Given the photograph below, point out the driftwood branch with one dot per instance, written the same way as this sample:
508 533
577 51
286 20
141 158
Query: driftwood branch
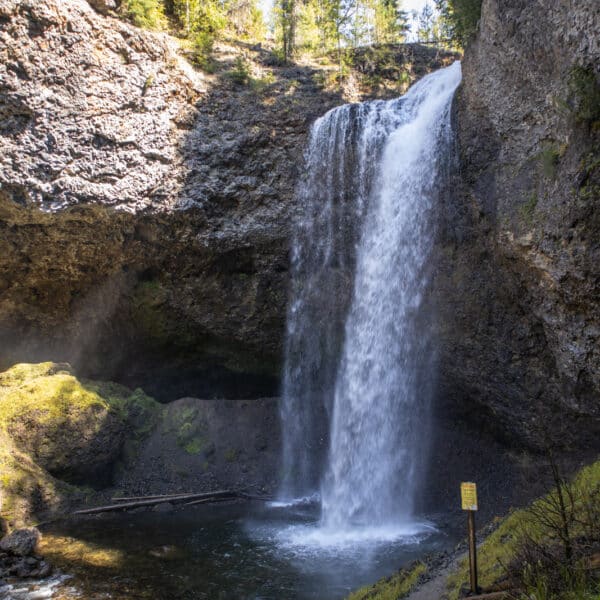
128 503
493 596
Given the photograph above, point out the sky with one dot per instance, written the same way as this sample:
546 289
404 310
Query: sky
407 5
410 5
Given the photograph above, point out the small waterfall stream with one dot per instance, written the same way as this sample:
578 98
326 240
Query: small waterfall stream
359 364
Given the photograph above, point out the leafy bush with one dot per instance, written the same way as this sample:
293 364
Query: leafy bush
240 73
145 13
203 42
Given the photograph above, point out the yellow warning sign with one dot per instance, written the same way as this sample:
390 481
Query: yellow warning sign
468 495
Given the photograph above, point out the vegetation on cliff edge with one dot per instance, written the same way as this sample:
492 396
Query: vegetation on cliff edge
529 550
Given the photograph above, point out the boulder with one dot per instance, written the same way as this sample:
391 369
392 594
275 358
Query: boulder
21 542
103 6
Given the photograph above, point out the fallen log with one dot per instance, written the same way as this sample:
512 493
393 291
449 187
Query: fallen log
158 497
217 496
205 501
506 595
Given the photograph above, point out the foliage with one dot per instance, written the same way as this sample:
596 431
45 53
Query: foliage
394 587
203 43
584 88
206 21
322 26
533 545
549 158
528 208
427 29
459 19
240 73
145 13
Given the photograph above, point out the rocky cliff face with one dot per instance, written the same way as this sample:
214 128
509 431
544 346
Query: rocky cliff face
145 212
145 206
519 277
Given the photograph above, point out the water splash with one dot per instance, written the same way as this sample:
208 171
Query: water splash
358 355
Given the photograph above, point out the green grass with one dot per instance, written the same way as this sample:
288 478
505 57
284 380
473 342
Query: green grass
500 548
392 588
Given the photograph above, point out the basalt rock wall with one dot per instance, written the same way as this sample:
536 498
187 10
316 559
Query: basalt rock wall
145 210
518 281
145 206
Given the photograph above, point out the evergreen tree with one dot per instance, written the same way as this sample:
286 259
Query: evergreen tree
459 19
426 24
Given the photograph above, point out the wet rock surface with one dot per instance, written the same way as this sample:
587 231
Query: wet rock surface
519 262
204 445
18 558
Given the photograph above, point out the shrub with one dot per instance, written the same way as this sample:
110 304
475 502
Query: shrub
145 13
203 42
240 73
459 19
543 549
584 91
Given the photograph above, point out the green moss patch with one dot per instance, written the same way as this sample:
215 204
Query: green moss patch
500 548
49 393
394 587
190 430
56 427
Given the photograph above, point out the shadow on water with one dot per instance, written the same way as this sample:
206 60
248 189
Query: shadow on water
228 551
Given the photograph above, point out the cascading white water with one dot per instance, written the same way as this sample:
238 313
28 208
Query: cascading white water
358 358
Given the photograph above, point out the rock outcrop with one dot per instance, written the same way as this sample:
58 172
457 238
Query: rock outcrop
145 207
206 445
57 431
519 278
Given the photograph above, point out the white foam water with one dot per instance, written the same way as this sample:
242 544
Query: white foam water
359 362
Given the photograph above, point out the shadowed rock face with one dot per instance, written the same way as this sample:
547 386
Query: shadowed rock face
145 207
207 445
518 286
145 212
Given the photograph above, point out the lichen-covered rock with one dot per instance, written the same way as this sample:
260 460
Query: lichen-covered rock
85 121
519 276
21 542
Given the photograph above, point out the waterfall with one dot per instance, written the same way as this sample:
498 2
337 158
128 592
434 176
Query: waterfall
359 362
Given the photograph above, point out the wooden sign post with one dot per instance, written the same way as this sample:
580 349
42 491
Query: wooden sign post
468 496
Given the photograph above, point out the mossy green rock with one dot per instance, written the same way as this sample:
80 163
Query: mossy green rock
71 428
